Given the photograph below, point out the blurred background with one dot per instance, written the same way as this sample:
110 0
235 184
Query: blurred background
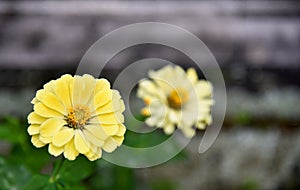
256 43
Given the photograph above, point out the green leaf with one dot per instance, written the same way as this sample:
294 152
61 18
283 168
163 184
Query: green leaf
73 186
22 151
10 130
50 186
12 176
37 182
124 178
109 176
33 158
78 187
144 140
77 170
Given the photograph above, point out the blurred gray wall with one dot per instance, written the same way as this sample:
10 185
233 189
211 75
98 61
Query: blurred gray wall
256 43
47 34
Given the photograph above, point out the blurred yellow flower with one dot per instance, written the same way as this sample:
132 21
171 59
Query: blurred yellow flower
175 98
75 115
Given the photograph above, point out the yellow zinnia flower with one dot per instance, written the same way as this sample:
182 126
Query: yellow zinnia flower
175 98
75 115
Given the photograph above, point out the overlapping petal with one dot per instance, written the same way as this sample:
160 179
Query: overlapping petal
176 99
77 115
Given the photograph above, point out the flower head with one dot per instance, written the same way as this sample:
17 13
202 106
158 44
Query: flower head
175 98
75 115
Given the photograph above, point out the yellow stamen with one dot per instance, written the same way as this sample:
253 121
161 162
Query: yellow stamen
177 98
147 101
78 116
145 112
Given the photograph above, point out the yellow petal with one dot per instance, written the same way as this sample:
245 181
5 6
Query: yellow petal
119 103
71 87
93 148
188 131
101 98
62 91
204 88
208 120
63 136
110 129
102 84
109 145
44 111
92 156
51 101
97 131
107 108
92 138
111 118
81 143
192 75
70 151
89 86
34 101
121 130
163 85
174 116
78 90
51 127
34 118
122 106
118 139
45 140
169 128
67 78
36 141
50 86
116 104
40 94
149 90
96 155
200 125
54 150
94 120
33 129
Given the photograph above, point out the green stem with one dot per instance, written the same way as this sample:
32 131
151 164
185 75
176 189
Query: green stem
55 173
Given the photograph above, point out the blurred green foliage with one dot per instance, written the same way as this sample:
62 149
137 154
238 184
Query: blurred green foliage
143 140
24 167
163 184
249 184
108 176
12 176
15 132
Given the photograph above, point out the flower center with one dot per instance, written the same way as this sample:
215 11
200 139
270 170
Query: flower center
78 116
177 98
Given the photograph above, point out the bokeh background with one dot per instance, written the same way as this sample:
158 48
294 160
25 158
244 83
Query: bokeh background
256 43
